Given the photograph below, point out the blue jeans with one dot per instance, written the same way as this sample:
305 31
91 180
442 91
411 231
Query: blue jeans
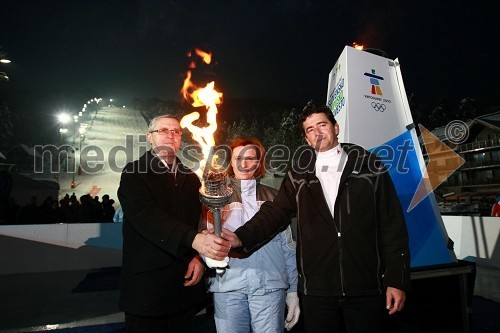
363 314
236 312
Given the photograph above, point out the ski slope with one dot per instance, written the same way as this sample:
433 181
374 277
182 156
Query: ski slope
114 137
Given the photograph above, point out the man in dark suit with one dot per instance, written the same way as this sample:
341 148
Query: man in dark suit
161 271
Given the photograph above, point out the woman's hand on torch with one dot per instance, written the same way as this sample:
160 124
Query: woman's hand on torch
211 246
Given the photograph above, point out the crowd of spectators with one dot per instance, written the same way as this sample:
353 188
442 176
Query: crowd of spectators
69 209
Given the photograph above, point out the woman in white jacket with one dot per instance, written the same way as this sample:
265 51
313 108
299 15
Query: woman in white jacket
252 293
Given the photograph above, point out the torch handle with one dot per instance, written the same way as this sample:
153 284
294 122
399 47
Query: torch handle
218 232
217 222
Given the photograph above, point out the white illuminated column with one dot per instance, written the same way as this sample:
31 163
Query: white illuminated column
368 98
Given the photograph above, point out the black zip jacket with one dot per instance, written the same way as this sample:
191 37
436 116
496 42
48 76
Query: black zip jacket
361 250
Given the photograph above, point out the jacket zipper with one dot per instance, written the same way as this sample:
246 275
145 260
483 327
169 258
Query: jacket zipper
403 270
341 271
348 199
339 237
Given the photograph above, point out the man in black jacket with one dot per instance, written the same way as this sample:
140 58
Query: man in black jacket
161 271
352 242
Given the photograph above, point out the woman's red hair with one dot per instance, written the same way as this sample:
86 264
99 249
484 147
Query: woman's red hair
259 149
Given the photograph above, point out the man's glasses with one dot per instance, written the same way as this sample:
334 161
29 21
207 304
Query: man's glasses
165 131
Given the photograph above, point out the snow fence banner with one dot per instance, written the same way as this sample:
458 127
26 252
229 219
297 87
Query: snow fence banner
367 96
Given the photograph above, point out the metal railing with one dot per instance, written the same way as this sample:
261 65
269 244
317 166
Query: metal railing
472 146
480 164
469 182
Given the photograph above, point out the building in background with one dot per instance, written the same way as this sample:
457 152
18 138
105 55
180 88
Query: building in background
472 189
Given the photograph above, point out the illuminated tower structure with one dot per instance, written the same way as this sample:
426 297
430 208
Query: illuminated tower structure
367 96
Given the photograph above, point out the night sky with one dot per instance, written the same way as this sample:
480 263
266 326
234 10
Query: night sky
281 50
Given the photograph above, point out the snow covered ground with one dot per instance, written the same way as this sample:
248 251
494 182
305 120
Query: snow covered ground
114 136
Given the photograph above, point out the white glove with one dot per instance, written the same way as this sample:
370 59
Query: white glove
292 316
211 263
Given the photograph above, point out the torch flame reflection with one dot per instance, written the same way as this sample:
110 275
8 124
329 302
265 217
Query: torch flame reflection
208 97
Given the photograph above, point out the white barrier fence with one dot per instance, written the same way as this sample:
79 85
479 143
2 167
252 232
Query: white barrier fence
59 247
476 238
65 247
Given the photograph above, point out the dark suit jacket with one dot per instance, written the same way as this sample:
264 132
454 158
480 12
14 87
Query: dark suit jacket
161 214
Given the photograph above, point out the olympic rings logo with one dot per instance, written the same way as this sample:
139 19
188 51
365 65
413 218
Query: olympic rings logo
380 107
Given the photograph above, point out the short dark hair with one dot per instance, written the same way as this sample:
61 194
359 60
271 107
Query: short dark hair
311 108
153 121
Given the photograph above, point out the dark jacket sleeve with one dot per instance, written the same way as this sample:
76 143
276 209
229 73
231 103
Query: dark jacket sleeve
394 235
272 218
144 213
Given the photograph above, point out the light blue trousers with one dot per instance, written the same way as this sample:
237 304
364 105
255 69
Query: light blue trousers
237 312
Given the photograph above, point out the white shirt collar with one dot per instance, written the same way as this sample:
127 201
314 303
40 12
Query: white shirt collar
171 168
331 153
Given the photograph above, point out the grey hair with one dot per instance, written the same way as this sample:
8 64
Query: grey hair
153 121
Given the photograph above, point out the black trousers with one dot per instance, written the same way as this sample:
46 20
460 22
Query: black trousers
182 322
328 314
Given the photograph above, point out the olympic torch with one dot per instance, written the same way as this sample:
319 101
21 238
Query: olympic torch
214 191
215 194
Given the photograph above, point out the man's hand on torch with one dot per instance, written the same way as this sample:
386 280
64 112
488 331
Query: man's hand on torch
211 246
228 235
231 237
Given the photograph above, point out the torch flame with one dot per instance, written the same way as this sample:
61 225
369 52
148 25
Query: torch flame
206 56
208 97
357 46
